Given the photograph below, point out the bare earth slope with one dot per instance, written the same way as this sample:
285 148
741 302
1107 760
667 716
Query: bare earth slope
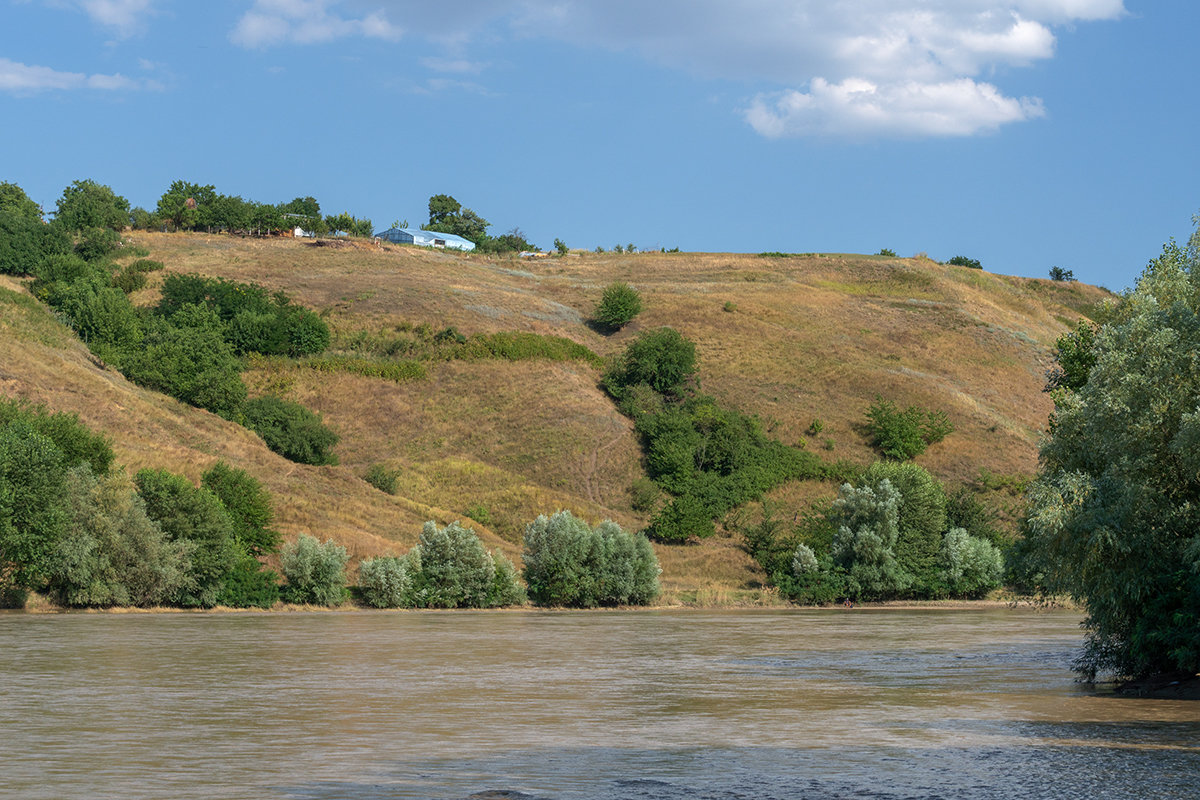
789 339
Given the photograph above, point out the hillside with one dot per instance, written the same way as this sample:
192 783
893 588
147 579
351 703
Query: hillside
790 339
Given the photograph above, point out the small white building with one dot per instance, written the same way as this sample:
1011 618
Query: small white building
425 238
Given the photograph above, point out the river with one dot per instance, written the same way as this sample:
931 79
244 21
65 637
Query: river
704 705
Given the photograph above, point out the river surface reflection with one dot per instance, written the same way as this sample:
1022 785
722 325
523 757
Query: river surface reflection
831 703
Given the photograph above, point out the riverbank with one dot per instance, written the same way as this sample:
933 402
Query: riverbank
764 600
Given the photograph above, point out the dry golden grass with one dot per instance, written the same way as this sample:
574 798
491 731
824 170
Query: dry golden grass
812 337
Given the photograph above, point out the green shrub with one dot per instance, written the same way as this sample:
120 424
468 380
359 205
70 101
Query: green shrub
315 573
887 252
480 514
32 512
87 204
521 346
65 268
455 571
382 478
145 265
77 443
644 495
662 359
112 553
906 434
94 244
129 280
248 585
1060 274
397 371
568 563
196 516
25 243
867 520
965 510
963 261
506 589
921 518
291 430
729 307
385 582
618 305
249 507
685 517
815 427
971 567
189 360
252 319
101 315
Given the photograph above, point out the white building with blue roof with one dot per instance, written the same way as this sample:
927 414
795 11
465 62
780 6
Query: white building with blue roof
425 238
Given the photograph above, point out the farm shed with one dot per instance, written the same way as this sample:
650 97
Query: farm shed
425 238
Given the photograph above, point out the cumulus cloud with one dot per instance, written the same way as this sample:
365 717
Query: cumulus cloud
858 107
274 22
17 78
879 67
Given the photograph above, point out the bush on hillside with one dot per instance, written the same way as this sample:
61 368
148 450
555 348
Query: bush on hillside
662 359
75 441
906 434
94 244
963 261
291 430
568 563
86 204
189 360
249 507
254 320
25 243
382 478
101 315
618 305
315 572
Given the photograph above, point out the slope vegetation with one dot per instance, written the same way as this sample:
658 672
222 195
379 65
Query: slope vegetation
790 339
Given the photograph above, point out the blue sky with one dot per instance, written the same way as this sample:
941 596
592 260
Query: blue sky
1026 133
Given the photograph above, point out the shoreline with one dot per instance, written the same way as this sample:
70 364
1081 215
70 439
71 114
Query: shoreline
39 605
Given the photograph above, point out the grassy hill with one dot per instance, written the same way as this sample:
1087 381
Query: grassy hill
790 339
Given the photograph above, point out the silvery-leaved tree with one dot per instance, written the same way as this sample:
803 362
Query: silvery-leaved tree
1114 515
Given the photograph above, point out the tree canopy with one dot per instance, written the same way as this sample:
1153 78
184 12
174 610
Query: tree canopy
13 200
87 204
1114 514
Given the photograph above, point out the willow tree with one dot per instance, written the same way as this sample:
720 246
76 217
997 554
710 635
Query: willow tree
1114 515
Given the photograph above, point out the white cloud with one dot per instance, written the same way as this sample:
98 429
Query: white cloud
859 108
274 22
126 16
18 78
925 61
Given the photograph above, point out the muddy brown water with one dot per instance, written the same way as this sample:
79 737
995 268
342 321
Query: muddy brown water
834 703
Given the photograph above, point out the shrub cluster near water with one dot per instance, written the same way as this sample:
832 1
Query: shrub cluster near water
86 534
891 534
